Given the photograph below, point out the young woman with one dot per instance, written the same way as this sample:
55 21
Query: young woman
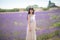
31 28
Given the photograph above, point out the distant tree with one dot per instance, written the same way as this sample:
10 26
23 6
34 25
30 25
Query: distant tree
9 10
28 7
15 9
2 10
51 4
33 6
45 9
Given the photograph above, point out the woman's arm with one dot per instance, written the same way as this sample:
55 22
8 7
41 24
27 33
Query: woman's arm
28 20
29 23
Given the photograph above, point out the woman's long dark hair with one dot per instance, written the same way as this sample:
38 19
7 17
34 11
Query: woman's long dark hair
29 12
30 9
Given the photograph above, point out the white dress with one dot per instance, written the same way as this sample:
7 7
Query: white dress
31 35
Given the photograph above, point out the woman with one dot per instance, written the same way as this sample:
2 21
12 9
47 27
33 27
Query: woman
31 29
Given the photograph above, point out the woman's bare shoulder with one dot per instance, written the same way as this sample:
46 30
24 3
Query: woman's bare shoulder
29 16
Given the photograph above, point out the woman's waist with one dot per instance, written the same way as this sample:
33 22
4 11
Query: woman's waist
31 21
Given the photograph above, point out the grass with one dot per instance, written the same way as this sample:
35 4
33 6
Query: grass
49 36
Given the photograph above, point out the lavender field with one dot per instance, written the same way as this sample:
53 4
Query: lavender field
13 25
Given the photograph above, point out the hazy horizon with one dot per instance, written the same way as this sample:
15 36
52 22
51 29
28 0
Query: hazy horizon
9 4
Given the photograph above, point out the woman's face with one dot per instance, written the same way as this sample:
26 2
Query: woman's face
31 11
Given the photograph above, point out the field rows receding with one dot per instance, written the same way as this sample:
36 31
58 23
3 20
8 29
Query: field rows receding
13 26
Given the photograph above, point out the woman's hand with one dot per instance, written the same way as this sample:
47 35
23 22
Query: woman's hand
35 29
30 30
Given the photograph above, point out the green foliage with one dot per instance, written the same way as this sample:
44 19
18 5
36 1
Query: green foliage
9 10
33 6
54 17
57 24
2 10
27 7
45 9
48 36
57 32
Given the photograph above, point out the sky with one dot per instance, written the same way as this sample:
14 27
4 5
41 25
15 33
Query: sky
9 4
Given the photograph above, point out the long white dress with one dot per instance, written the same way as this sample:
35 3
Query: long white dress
31 35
